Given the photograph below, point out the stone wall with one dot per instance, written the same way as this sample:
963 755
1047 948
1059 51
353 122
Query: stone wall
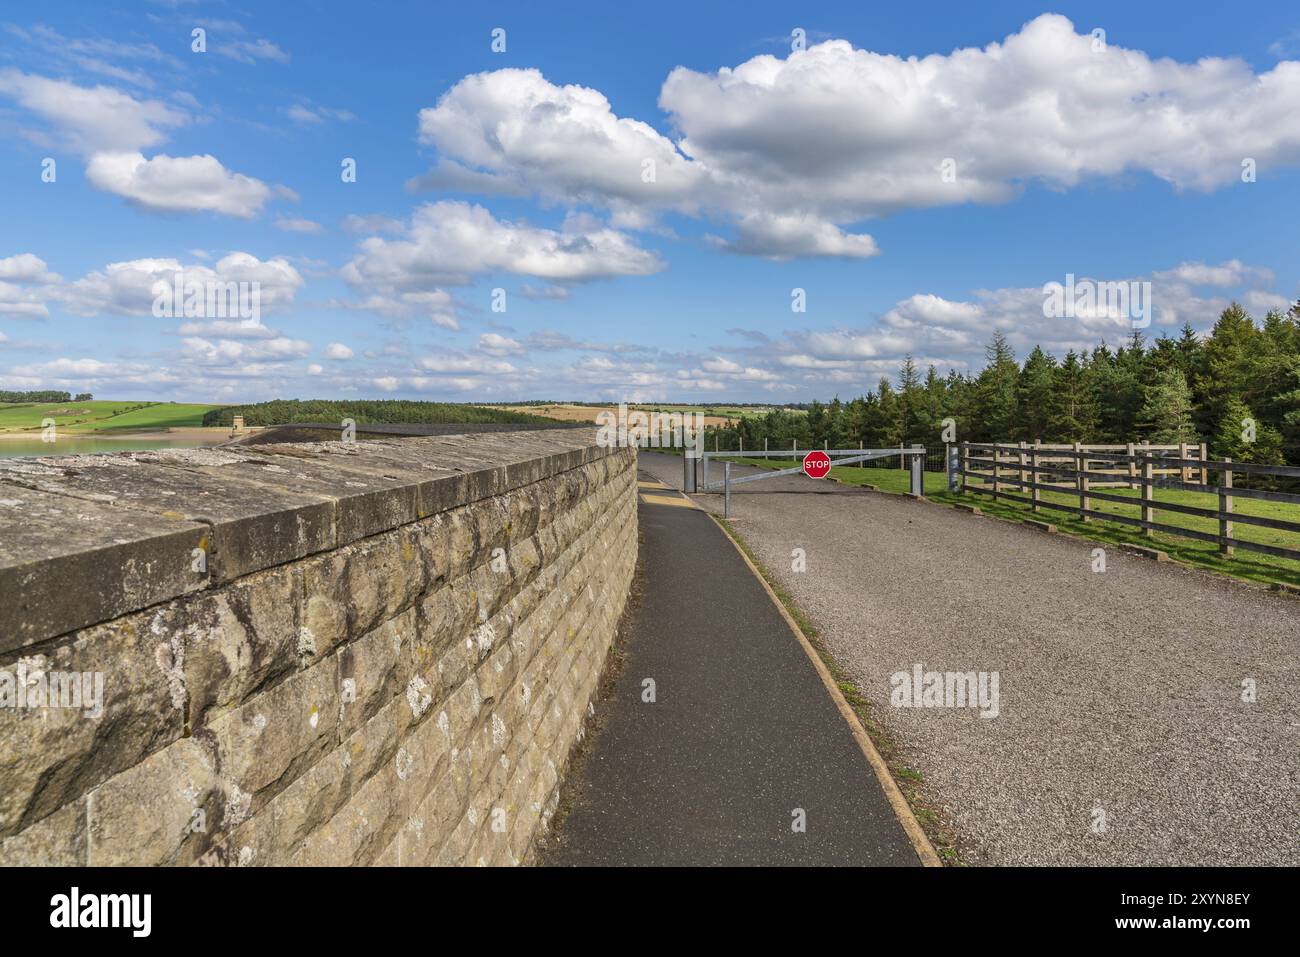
367 653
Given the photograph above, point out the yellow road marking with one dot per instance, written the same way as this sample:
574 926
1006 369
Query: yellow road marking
682 502
642 483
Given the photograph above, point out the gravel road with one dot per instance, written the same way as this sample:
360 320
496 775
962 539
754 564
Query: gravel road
1121 737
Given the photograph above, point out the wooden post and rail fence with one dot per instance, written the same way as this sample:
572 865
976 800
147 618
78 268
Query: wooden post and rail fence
1085 471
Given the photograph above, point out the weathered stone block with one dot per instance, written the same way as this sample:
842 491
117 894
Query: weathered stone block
58 840
236 641
68 563
162 811
275 833
50 756
376 669
355 589
266 743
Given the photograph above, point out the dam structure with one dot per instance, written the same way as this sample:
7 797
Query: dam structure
339 653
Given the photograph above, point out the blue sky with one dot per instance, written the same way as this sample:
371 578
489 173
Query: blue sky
774 169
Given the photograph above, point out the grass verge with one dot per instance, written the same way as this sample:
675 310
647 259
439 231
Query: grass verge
1251 566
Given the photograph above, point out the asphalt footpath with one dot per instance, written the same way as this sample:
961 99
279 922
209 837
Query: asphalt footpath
742 757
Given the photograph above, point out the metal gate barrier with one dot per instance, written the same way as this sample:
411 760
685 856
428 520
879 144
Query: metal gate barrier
693 482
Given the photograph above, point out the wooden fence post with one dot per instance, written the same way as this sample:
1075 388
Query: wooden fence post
1022 468
1132 467
1205 475
1080 464
1225 505
995 473
1033 477
1187 470
1148 495
861 465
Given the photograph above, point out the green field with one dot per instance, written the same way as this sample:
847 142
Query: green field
730 411
100 416
1249 565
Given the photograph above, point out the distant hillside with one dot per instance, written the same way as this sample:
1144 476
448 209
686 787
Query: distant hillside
363 411
101 415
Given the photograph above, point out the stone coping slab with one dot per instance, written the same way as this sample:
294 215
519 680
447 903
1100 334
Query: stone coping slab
86 538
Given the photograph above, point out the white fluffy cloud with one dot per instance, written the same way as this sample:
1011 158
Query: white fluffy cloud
184 184
93 118
796 235
23 282
231 351
17 302
437 305
498 345
451 242
462 364
790 150
953 333
227 329
26 268
564 142
127 288
76 374
861 133
110 128
218 346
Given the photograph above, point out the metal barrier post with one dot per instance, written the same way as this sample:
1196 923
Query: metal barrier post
954 465
726 485
918 474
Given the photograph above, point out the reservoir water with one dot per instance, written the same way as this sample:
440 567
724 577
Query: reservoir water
80 445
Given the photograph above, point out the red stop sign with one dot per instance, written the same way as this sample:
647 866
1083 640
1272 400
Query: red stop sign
817 464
